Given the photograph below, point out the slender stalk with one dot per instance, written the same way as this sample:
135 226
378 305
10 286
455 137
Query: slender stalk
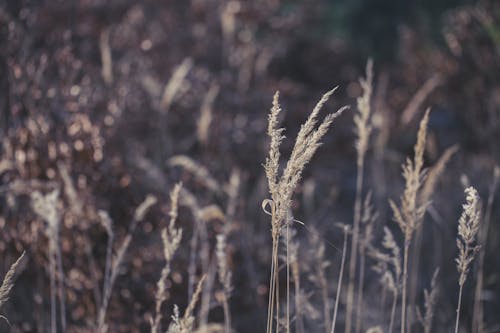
359 300
192 261
107 267
206 293
270 308
277 285
414 265
273 289
354 245
52 264
458 308
62 298
405 278
363 129
287 279
393 311
227 315
299 324
339 285
326 307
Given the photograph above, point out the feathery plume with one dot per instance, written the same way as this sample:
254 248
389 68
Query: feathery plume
8 280
411 212
468 227
171 237
281 188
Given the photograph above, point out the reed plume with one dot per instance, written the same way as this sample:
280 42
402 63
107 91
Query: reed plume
468 227
8 280
281 187
171 238
411 211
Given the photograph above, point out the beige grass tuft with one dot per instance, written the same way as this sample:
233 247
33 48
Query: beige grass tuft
8 280
411 211
281 188
171 238
468 227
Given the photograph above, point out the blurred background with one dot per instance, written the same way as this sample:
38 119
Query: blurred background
108 98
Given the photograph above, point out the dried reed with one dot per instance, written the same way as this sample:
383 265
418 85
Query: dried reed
363 129
411 212
139 214
468 227
282 187
46 206
8 280
171 238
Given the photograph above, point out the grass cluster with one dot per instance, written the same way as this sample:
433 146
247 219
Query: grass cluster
143 189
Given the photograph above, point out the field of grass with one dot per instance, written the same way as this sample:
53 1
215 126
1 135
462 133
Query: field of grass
249 166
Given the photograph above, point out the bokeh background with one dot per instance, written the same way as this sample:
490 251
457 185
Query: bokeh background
111 91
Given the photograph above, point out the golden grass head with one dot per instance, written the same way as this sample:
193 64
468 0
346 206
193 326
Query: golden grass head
307 142
8 280
468 227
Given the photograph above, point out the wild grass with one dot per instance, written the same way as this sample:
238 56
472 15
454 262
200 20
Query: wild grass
46 207
409 215
113 265
171 238
363 129
468 227
306 292
281 188
8 280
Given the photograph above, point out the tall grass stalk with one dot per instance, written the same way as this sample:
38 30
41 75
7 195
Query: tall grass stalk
8 280
224 278
425 197
468 227
46 206
171 238
140 213
339 285
368 219
282 185
411 211
363 129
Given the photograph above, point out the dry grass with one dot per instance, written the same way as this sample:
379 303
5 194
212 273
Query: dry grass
468 227
363 128
409 215
131 98
8 280
83 151
171 237
282 187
